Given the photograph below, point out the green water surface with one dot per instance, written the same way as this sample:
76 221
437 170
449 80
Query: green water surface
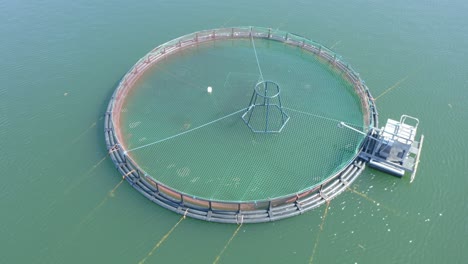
60 196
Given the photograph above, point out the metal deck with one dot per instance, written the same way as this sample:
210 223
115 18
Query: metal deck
393 149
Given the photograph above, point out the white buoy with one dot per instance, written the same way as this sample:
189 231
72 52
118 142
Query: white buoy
209 89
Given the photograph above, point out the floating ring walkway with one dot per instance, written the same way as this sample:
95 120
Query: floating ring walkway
222 211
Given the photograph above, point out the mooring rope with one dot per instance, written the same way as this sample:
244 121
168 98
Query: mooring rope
97 164
325 213
392 87
372 200
163 239
94 210
227 21
334 45
83 133
256 57
319 116
112 192
226 116
85 175
103 201
229 242
187 131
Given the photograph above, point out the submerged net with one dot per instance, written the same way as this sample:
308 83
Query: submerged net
182 124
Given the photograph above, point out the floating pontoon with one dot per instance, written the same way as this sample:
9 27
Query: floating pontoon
393 148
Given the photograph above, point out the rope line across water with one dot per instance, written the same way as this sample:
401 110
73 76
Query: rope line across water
256 57
188 131
319 116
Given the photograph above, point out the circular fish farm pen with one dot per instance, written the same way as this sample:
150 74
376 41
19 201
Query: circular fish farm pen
239 125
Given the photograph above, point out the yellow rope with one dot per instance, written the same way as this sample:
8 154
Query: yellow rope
162 239
334 45
84 132
227 244
85 175
96 165
112 192
227 21
372 200
325 213
392 87
94 210
363 196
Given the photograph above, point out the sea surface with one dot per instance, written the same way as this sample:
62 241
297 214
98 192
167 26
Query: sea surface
63 201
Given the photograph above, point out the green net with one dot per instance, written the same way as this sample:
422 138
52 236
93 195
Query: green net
182 123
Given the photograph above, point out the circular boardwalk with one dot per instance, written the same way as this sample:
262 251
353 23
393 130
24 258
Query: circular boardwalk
214 167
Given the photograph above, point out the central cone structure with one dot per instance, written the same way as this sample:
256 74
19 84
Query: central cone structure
265 113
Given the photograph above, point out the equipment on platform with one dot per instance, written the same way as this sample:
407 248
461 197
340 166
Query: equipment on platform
393 148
